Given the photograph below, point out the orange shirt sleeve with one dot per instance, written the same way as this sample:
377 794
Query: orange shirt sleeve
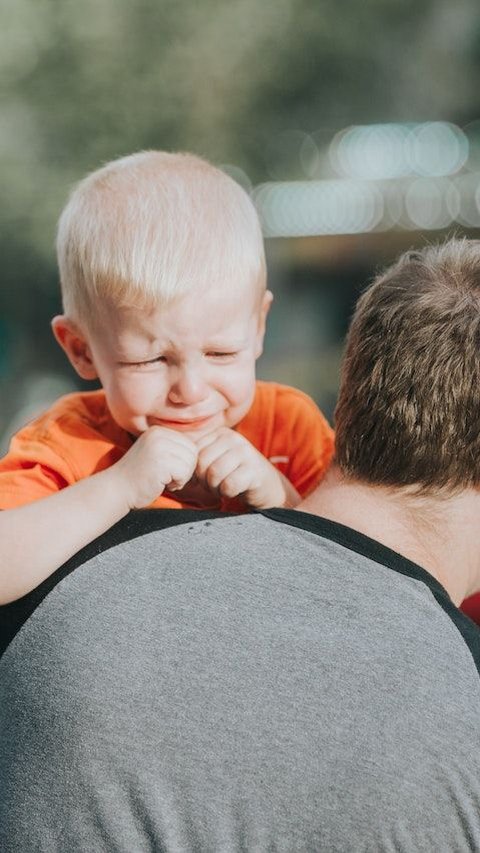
31 469
72 440
289 429
308 438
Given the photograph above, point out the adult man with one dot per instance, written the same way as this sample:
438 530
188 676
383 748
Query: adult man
287 680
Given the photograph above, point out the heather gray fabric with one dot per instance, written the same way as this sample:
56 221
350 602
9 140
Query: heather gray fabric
238 685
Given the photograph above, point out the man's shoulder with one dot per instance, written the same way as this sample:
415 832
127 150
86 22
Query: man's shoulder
196 646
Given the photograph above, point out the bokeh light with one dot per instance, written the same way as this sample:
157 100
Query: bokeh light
431 203
370 152
468 187
383 151
412 176
436 148
301 208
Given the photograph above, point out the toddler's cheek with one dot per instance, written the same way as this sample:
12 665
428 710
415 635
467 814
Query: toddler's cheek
241 390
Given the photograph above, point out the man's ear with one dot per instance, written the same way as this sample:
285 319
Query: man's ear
262 318
75 345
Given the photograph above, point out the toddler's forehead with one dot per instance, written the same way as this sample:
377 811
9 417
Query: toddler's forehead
191 310
244 291
243 288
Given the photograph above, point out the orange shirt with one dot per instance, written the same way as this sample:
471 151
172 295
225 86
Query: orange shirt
78 437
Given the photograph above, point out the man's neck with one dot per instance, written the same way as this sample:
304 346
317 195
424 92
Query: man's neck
440 534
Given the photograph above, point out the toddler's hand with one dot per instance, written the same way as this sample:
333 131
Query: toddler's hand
229 464
160 457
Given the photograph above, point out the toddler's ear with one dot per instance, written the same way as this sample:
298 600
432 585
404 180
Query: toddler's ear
262 318
75 345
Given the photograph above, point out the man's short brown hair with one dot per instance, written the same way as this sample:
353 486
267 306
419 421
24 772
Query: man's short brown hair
408 412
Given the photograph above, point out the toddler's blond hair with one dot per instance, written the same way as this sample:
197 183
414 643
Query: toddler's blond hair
153 226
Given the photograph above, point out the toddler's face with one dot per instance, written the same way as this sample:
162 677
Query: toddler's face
189 366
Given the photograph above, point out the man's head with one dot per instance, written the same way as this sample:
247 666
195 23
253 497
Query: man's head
164 288
408 412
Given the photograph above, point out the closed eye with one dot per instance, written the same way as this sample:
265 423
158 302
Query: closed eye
159 359
221 355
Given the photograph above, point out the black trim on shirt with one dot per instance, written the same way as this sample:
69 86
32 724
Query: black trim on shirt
373 550
140 522
136 523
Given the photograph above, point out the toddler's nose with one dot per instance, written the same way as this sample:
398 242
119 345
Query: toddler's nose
188 387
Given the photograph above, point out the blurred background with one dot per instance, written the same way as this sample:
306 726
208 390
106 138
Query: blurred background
356 126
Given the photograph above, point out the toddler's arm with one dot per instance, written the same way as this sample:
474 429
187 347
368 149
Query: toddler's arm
38 538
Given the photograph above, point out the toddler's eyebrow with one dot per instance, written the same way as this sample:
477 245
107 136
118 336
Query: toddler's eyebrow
145 348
